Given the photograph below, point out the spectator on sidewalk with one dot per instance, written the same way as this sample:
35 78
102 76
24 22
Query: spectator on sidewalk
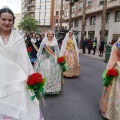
33 44
101 48
94 45
89 45
60 40
84 43
38 40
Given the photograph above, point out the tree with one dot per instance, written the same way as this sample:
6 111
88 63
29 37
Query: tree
28 24
61 13
102 35
83 20
71 3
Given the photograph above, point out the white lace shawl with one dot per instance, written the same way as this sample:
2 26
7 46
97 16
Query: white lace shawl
63 47
15 68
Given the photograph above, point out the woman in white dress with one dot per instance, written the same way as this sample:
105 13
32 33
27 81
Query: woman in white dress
47 64
15 102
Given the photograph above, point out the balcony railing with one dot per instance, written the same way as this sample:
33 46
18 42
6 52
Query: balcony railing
31 3
112 4
30 10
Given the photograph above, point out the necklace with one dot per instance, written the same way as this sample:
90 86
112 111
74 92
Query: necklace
5 38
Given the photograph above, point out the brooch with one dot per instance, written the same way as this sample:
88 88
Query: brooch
118 45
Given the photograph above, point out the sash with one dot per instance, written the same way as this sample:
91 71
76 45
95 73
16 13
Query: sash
49 50
35 46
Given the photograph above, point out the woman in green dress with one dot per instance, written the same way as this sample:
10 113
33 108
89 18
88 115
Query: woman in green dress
47 64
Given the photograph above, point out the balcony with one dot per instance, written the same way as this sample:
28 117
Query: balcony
94 9
31 10
32 3
112 4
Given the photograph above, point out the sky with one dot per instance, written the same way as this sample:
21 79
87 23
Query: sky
14 5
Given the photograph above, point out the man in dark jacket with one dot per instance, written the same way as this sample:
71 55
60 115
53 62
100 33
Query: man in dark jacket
60 41
89 45
84 43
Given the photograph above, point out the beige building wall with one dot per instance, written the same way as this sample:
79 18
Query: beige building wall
17 20
95 9
57 9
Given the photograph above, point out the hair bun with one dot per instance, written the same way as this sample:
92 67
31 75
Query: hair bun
5 7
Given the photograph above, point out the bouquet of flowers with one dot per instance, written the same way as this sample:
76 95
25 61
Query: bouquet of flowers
108 76
29 49
62 61
35 83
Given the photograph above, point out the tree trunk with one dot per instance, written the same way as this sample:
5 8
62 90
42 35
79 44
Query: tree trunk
61 13
102 35
70 14
83 20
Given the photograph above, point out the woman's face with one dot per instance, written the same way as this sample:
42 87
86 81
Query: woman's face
70 34
50 36
6 22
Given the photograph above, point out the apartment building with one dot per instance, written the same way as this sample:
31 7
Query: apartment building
41 10
17 20
94 18
57 10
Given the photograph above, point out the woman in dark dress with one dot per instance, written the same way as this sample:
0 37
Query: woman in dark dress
101 48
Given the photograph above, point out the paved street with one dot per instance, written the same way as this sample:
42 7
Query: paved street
79 99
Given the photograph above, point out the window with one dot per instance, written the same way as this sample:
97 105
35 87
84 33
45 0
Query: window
107 17
71 24
92 20
80 5
66 12
89 2
111 0
117 17
73 8
57 12
56 20
100 2
76 23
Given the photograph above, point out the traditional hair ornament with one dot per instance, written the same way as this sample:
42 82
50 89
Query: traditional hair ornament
5 7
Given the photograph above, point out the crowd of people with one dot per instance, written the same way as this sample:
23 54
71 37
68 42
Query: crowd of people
92 45
15 102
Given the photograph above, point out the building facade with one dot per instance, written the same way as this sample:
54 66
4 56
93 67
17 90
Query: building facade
94 19
17 20
41 10
57 15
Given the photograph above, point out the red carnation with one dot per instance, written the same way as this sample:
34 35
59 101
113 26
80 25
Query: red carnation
34 79
61 59
112 72
29 49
